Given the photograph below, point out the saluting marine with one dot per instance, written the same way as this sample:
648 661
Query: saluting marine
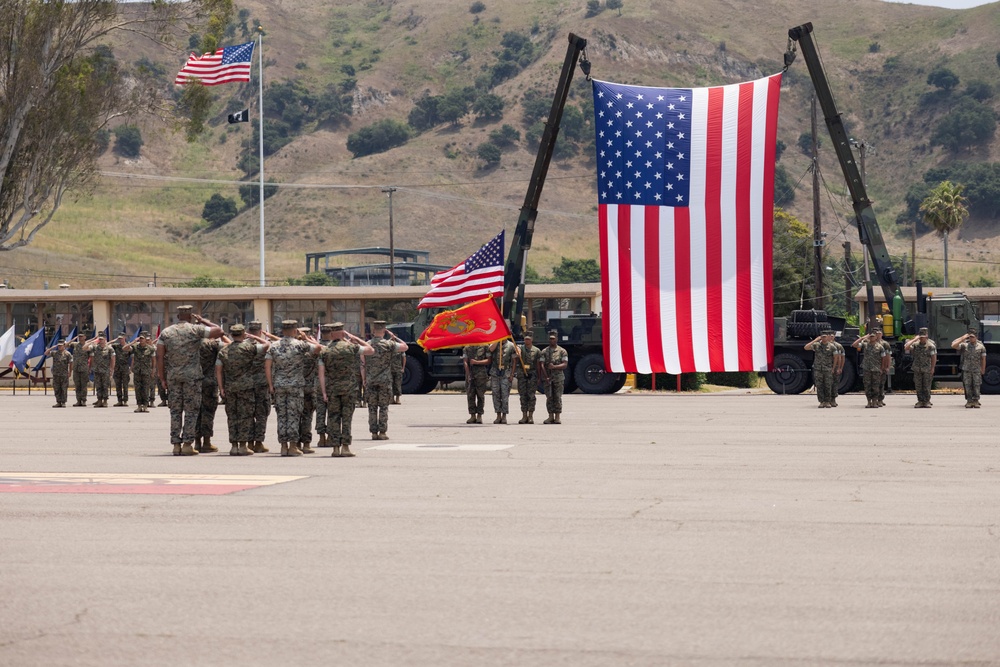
924 353
337 367
378 378
873 361
62 362
973 366
284 367
824 361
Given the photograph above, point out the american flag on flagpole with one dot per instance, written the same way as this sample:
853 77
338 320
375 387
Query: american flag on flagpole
685 213
478 276
230 63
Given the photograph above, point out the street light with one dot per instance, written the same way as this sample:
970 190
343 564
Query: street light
392 246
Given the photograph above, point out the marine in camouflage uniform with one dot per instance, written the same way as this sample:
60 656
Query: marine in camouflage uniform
378 378
143 357
204 430
123 364
398 365
233 374
924 353
325 340
261 397
178 366
872 362
309 394
102 364
501 373
973 366
887 364
62 362
476 359
839 359
81 368
284 366
553 362
338 366
527 379
824 360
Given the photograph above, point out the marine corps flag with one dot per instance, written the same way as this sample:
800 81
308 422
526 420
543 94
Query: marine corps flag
479 323
240 117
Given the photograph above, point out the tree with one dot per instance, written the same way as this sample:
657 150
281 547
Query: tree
593 8
784 189
477 7
615 4
945 211
792 262
314 279
219 210
128 141
378 137
489 153
968 125
943 78
576 271
453 106
506 136
60 86
424 114
979 90
488 107
250 193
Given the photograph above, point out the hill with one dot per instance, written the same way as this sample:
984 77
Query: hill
144 216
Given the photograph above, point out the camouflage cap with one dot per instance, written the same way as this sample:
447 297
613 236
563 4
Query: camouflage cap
143 336
826 332
288 324
304 330
185 309
922 331
254 326
62 342
237 329
553 334
973 331
334 326
379 324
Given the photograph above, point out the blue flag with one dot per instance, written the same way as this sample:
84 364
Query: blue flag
29 349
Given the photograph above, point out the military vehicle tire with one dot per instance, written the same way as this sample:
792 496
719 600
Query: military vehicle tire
991 378
415 377
788 375
805 330
848 378
591 377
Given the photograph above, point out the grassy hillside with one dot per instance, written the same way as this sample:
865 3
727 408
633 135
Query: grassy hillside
877 56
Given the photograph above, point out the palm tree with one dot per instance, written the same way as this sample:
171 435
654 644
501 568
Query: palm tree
945 210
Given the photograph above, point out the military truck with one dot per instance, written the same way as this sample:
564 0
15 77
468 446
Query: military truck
580 335
946 315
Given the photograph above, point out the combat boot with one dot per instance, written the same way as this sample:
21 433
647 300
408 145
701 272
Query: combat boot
374 436
881 403
977 404
188 450
550 420
235 449
531 417
834 404
919 404
497 420
293 449
306 449
503 418
471 419
118 404
968 404
322 441
247 448
479 417
870 404
138 409
382 436
336 451
258 447
555 418
284 449
207 446
524 417
822 405
345 452
197 443
177 450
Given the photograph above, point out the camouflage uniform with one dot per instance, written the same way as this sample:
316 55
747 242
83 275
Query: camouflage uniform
378 384
500 371
81 370
972 375
554 387
321 406
479 377
309 394
62 361
885 373
871 369
207 355
398 359
180 345
837 378
261 396
287 376
123 358
823 360
143 373
923 352
527 381
341 362
101 367
237 361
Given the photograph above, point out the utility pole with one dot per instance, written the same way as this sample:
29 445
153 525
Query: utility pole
848 283
392 246
818 241
913 253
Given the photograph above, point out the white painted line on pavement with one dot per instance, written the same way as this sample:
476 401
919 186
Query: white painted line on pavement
415 447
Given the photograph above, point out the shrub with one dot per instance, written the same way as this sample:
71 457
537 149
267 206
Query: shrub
219 210
506 136
489 153
378 137
128 140
477 7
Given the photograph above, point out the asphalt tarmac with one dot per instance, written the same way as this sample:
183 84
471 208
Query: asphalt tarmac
718 529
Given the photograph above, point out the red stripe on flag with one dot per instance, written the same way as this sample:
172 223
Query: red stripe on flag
770 143
654 332
713 228
744 156
625 285
682 286
602 230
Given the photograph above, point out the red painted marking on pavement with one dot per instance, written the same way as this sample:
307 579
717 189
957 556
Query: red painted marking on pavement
149 489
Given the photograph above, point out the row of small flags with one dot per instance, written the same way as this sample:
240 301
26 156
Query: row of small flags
34 346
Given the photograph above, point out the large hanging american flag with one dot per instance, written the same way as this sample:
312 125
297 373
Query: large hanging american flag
230 63
478 276
685 208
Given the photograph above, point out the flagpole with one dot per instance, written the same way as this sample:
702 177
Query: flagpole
260 132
